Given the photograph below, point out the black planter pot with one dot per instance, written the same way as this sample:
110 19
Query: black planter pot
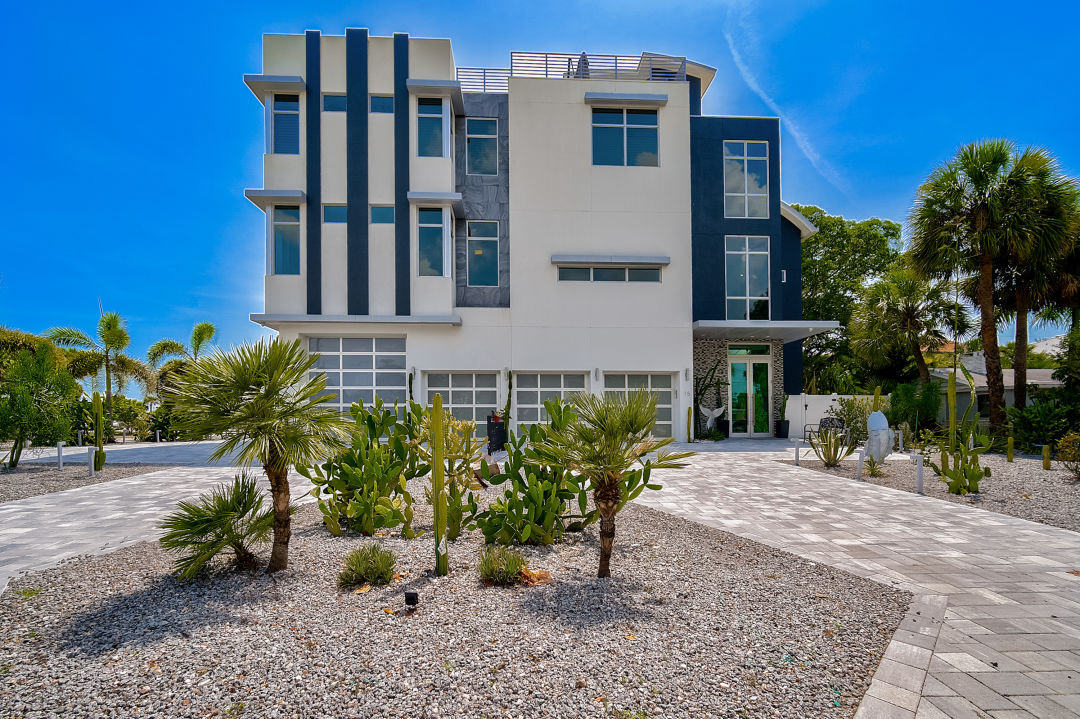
783 426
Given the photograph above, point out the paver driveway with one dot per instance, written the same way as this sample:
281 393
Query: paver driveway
997 633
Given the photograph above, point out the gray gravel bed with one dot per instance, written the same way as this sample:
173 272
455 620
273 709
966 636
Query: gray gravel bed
694 622
1021 488
31 479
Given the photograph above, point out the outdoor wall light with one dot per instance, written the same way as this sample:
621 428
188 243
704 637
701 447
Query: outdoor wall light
596 374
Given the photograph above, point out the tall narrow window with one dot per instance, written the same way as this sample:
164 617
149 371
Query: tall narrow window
483 253
286 125
747 277
482 146
429 127
625 137
430 236
286 233
746 179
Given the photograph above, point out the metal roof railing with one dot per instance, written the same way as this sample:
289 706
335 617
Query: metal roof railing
484 79
582 66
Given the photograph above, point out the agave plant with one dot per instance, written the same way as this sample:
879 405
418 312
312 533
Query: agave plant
831 446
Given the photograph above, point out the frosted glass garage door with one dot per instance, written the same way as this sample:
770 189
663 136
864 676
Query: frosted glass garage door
532 389
358 368
471 396
658 384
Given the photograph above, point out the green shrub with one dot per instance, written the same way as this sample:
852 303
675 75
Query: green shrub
229 517
1044 422
916 404
500 565
831 446
370 564
874 468
855 411
1068 453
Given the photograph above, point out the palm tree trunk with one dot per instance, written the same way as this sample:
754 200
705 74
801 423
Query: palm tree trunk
920 362
607 499
279 492
988 331
1023 304
108 382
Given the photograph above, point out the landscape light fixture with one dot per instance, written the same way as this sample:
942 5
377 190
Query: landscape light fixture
411 600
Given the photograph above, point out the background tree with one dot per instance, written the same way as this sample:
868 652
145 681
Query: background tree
202 334
261 401
105 353
37 396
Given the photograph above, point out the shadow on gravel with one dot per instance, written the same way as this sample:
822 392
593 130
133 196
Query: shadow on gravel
164 609
586 602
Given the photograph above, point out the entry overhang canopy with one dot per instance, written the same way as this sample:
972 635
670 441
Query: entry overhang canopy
746 330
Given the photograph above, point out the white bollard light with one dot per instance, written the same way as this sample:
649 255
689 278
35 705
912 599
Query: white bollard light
859 474
60 455
157 435
90 460
79 435
918 460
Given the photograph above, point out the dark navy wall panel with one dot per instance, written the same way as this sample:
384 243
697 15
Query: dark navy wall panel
403 219
695 94
793 367
790 300
313 149
356 159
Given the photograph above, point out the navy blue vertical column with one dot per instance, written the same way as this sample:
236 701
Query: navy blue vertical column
695 95
402 220
313 150
793 367
356 161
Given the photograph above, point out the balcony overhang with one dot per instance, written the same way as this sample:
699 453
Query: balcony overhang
747 330
439 88
805 226
439 199
263 85
610 260
265 199
626 99
275 321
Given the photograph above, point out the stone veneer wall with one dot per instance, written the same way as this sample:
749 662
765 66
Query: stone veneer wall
709 351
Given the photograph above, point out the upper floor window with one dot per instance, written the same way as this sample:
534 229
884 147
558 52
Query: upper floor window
481 146
382 214
747 277
285 127
431 241
483 253
334 103
382 103
335 213
431 137
286 233
746 179
625 137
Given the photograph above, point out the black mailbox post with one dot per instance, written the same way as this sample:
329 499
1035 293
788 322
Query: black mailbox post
496 433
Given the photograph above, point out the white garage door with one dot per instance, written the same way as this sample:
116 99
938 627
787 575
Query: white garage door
471 396
658 384
358 368
532 389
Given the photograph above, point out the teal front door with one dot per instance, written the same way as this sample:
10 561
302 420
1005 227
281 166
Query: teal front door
750 388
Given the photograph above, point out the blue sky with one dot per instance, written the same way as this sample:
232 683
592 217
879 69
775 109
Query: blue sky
131 137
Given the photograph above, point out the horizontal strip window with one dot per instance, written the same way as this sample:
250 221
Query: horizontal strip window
609 274
334 103
335 213
382 214
383 104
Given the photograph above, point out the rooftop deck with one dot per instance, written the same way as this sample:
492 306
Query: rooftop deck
583 66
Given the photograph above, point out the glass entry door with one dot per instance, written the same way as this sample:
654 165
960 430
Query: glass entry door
749 392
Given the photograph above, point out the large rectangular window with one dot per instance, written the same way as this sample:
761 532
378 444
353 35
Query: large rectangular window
625 137
481 146
358 368
746 178
747 277
482 253
430 129
286 233
431 227
285 126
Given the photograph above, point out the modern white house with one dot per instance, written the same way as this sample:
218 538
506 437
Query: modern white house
572 219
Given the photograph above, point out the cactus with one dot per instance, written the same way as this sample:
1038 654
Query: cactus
689 424
99 433
509 394
1046 456
877 399
1009 450
438 488
960 466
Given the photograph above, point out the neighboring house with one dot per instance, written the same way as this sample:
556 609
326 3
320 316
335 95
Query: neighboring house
1036 379
573 219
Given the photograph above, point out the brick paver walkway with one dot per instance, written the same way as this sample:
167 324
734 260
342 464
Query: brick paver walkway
995 630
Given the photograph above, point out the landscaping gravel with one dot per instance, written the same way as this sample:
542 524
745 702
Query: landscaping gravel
694 622
1021 488
33 479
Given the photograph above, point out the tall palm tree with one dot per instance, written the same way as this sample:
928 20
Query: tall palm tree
202 334
965 216
261 401
103 353
906 312
610 435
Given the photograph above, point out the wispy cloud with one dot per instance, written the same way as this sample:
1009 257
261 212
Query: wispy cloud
749 38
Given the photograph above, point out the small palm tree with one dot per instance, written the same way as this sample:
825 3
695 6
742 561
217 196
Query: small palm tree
261 401
106 352
202 334
611 434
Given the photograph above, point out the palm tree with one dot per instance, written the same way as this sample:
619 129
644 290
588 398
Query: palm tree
905 312
966 214
610 435
261 401
106 352
201 336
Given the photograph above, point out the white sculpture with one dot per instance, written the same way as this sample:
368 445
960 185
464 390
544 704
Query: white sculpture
711 415
879 441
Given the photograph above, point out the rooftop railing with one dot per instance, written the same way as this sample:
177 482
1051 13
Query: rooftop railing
582 66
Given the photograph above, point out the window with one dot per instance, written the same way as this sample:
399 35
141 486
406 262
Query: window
481 147
382 104
286 125
746 179
335 213
286 233
748 349
382 214
483 253
532 390
658 384
333 103
625 137
358 368
609 274
747 277
467 395
429 127
431 241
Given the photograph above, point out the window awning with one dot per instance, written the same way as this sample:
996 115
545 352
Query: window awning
610 260
747 330
262 85
439 88
265 199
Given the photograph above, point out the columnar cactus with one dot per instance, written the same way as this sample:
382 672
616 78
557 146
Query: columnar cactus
438 488
99 433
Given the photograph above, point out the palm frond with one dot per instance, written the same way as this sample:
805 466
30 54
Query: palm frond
164 348
201 336
69 337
